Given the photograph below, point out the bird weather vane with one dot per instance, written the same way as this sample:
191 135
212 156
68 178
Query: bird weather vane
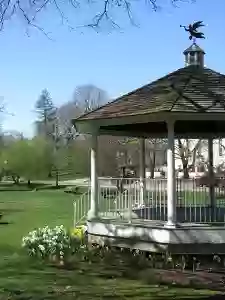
193 30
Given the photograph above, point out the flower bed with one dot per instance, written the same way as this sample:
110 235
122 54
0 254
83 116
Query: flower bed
69 248
53 243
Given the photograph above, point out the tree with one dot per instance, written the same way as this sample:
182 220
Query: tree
57 140
155 151
89 97
25 158
45 125
46 113
2 111
85 98
74 160
187 150
29 10
66 113
109 158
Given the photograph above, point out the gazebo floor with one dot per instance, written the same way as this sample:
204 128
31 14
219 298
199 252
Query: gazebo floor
156 236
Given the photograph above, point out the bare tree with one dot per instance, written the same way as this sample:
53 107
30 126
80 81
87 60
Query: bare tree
89 97
154 154
155 151
85 98
109 150
29 10
220 147
66 113
187 151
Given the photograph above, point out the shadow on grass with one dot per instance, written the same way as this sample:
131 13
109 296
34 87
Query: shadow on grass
23 186
10 210
24 278
4 213
4 223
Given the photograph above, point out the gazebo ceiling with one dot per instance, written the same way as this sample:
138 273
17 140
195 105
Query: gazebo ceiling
193 95
183 129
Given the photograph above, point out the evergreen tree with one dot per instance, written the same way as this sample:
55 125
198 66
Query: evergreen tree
46 112
45 125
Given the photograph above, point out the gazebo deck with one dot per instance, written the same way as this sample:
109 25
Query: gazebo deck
144 227
155 236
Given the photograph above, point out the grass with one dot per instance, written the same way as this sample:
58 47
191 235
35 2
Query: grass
23 278
18 281
198 198
26 210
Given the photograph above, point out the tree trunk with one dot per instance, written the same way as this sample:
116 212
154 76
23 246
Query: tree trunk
185 170
184 158
195 150
125 157
56 178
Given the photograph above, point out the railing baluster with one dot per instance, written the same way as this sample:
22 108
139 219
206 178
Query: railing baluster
192 201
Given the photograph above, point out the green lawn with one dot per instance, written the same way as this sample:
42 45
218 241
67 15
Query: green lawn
22 278
26 210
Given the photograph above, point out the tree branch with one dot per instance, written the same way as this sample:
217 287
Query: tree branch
29 9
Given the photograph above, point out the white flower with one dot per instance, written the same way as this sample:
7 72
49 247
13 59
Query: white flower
41 247
45 241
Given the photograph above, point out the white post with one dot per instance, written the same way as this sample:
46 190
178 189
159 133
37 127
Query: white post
142 172
93 212
171 178
211 179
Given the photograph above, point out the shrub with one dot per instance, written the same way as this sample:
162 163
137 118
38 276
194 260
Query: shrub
49 242
57 242
79 233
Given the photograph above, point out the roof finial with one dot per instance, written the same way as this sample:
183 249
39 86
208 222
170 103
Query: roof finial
193 30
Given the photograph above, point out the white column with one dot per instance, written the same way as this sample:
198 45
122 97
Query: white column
93 212
142 172
171 178
211 176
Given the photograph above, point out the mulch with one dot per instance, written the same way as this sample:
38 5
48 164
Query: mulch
200 279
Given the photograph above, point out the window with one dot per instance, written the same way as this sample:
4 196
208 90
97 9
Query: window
192 58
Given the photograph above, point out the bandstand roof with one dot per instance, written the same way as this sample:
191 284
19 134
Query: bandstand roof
193 96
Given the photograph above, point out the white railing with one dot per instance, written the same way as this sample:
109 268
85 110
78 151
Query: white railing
123 200
81 207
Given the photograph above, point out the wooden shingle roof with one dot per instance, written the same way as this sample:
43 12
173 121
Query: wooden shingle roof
190 89
194 48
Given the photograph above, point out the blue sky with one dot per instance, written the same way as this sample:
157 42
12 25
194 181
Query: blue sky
117 61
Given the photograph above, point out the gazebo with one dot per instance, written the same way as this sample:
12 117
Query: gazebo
187 103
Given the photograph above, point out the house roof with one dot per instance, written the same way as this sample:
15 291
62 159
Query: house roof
191 89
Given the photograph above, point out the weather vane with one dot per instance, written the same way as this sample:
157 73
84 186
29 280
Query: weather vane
193 30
